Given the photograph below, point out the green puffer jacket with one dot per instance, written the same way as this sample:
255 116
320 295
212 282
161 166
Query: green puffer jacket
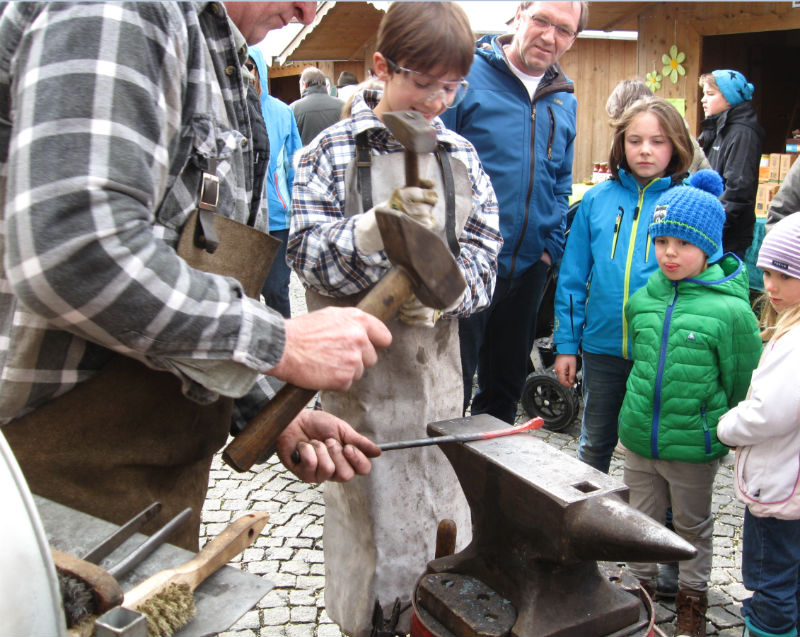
695 346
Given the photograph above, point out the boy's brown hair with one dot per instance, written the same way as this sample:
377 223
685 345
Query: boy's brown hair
427 36
671 123
708 78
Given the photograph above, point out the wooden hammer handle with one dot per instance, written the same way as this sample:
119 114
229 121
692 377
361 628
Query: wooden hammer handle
258 438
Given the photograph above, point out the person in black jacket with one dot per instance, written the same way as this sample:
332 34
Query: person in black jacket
732 138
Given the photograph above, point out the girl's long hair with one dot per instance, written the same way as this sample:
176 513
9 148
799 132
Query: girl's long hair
773 324
671 123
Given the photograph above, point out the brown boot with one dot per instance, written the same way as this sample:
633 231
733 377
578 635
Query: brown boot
690 606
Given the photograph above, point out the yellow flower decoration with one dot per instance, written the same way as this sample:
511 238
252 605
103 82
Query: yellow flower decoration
653 81
672 64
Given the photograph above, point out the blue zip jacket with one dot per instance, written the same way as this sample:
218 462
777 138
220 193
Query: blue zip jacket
695 346
526 147
609 256
284 142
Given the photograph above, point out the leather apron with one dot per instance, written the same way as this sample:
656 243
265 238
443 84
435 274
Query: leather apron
380 529
128 437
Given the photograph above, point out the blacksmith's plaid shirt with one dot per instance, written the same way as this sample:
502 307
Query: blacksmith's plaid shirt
108 112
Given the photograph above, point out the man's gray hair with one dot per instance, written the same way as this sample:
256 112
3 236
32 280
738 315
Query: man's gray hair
312 76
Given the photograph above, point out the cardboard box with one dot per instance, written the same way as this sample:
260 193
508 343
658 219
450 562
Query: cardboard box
764 196
763 169
787 159
774 166
762 200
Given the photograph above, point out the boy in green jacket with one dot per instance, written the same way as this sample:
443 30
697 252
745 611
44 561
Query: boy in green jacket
695 345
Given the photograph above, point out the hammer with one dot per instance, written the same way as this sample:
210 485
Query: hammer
421 264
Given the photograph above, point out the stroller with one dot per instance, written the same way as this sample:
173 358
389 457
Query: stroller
543 395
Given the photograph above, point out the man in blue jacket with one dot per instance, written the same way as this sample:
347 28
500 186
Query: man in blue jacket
520 113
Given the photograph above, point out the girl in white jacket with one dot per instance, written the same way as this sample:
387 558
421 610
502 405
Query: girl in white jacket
765 429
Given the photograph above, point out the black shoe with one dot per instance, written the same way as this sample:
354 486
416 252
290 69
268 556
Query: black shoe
667 580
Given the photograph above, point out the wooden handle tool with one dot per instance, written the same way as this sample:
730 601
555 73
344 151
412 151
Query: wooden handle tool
167 599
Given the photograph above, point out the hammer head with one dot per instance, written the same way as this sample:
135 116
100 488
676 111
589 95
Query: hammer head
412 130
437 279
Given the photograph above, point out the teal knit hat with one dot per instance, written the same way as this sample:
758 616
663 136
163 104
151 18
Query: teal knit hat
734 86
692 212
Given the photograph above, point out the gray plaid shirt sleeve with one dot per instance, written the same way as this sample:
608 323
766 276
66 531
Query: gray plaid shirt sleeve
108 103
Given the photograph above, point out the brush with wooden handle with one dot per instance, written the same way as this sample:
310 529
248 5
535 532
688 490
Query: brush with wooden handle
167 598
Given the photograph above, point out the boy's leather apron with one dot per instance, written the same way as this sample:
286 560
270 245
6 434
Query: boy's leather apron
128 436
380 529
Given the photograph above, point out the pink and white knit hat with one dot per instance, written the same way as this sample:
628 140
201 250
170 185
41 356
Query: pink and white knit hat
780 250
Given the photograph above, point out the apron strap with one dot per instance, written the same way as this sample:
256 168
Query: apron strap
450 199
364 166
205 237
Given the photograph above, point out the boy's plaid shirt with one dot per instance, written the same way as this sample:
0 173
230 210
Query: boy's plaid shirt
320 246
108 112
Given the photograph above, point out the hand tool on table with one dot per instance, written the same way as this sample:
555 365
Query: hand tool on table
541 520
533 423
167 598
422 264
95 590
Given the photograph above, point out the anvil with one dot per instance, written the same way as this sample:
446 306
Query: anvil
540 521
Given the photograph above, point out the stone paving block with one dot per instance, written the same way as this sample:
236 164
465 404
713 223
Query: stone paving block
296 567
737 591
303 614
328 630
234 505
216 516
302 598
309 555
277 597
280 553
300 630
721 618
284 580
300 542
275 616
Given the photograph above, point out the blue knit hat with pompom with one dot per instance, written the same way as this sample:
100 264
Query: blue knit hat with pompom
692 212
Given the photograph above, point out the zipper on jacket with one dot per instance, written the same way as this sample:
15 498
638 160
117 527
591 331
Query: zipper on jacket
528 195
662 360
706 431
647 250
617 224
626 290
552 133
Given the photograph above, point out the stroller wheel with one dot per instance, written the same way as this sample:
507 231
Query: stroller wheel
545 397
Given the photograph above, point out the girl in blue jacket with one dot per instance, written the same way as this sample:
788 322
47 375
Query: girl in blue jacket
608 257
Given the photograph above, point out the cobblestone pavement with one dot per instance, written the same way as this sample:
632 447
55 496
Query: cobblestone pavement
289 551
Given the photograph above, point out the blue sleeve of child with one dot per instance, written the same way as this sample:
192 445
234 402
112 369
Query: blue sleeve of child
571 290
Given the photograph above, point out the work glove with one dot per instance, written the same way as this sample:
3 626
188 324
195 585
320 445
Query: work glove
416 202
414 313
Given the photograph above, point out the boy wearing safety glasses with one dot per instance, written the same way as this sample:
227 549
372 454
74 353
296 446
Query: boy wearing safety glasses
380 532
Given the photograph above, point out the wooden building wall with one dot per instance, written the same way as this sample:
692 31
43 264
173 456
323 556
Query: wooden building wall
595 66
686 25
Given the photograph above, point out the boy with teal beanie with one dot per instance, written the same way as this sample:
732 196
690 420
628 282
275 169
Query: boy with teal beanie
695 345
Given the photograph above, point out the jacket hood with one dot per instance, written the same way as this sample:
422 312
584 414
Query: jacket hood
726 276
490 48
263 72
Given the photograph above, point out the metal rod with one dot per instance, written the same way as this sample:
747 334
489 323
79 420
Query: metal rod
533 423
158 538
115 540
